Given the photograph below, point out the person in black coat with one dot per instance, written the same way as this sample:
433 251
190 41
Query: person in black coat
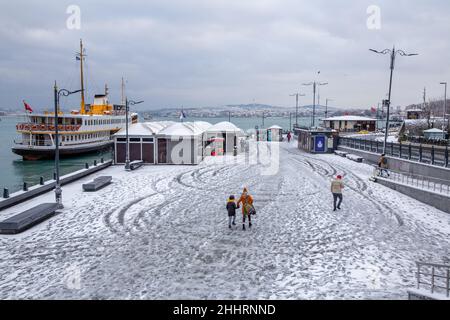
231 208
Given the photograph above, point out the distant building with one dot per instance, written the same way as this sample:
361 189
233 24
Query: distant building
414 114
434 134
317 140
350 124
275 133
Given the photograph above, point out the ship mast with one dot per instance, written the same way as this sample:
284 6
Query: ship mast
80 56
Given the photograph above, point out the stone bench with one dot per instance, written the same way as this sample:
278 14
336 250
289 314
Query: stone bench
340 153
28 218
97 183
354 157
136 164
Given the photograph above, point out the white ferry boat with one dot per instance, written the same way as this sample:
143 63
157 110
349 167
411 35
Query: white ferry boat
81 131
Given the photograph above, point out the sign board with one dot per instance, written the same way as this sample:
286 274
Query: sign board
330 143
319 144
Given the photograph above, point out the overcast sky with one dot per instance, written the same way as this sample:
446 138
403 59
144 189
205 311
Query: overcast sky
217 52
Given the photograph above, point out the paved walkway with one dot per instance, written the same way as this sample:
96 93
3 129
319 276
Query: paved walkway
161 232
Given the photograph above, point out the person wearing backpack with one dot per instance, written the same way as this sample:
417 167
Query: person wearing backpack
231 208
247 207
383 165
336 189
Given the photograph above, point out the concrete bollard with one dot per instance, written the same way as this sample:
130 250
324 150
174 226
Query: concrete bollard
25 186
5 193
95 162
86 165
41 181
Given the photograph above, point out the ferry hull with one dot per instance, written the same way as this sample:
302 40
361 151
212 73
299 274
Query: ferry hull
32 154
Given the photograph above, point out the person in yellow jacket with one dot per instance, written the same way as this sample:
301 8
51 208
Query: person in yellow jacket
247 204
336 189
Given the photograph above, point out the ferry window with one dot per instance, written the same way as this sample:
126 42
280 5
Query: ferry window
147 139
122 139
135 139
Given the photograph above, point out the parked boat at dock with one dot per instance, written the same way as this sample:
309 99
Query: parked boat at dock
80 131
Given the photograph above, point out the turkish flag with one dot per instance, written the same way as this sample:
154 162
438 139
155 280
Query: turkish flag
373 109
27 106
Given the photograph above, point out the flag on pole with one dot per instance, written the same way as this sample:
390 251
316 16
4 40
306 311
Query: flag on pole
27 107
182 115
373 109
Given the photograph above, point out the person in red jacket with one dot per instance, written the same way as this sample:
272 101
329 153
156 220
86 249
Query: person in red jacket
247 204
289 136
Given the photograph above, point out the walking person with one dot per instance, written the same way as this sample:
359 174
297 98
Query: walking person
289 136
336 189
247 207
231 208
383 165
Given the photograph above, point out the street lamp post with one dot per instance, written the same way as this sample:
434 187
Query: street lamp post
315 84
57 94
290 121
445 106
296 95
393 53
128 103
326 107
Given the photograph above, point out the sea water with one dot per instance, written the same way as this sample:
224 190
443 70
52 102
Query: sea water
15 171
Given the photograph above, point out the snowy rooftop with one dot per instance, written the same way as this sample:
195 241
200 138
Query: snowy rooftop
434 130
349 118
275 127
224 126
136 129
183 129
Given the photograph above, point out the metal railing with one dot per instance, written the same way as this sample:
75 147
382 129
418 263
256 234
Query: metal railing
426 183
434 155
436 277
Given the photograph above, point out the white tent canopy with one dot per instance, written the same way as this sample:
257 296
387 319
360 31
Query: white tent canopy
225 126
182 129
142 129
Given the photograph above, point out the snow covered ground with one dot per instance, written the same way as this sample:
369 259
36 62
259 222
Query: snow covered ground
161 232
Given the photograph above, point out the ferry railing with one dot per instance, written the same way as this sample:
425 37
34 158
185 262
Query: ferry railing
46 127
436 277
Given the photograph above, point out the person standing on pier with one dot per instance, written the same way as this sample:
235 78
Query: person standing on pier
336 189
247 207
383 165
289 137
